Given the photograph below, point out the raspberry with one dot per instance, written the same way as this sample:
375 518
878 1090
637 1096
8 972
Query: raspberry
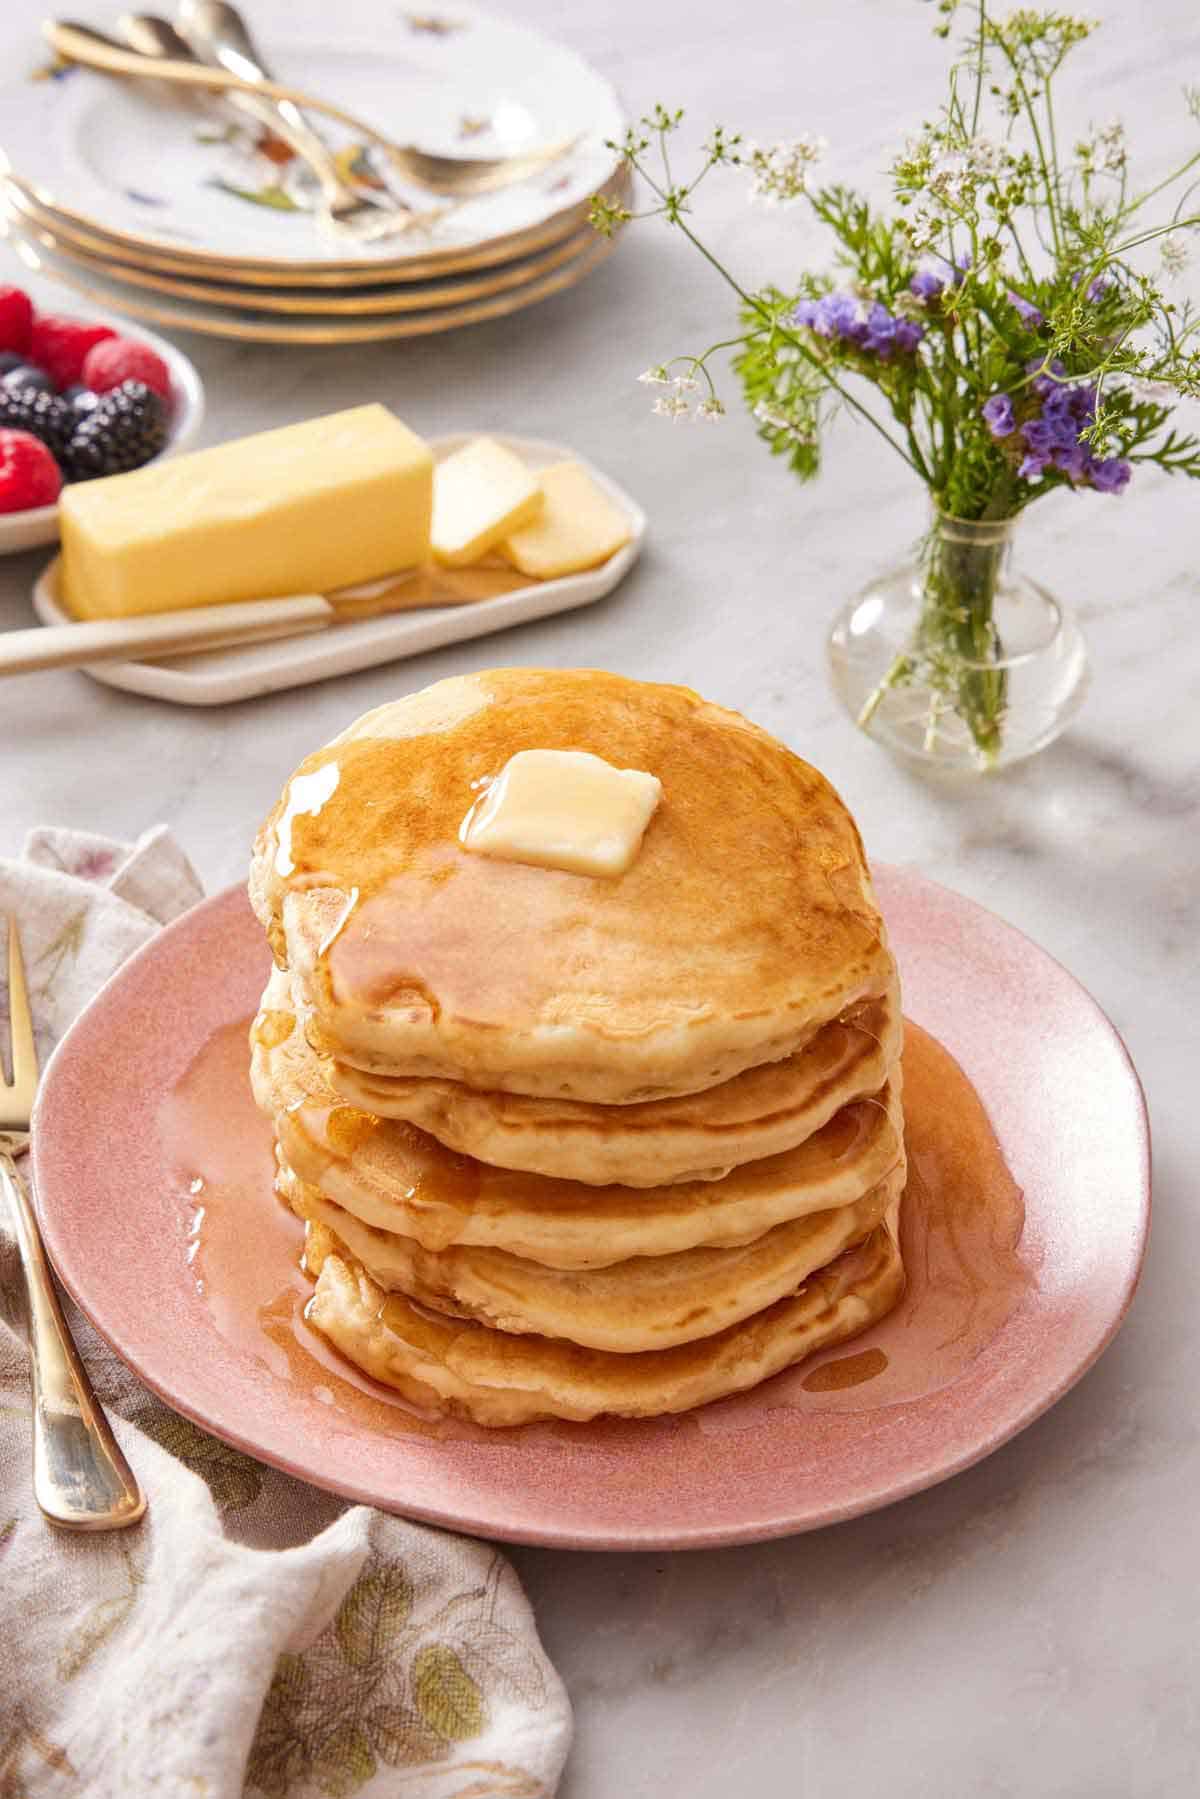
60 345
120 359
28 473
16 319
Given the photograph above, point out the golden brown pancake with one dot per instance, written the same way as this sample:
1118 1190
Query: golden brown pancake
745 922
698 1136
497 1379
647 1302
397 1178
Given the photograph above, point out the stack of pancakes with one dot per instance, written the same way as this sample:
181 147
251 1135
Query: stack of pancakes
568 1145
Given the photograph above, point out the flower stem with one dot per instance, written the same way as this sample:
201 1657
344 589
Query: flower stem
797 344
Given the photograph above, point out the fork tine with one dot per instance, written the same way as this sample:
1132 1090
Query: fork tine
24 1052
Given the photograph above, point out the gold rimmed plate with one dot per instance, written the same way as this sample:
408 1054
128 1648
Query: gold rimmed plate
73 229
129 160
356 302
258 326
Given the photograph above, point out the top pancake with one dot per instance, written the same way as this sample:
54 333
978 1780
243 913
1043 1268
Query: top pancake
745 922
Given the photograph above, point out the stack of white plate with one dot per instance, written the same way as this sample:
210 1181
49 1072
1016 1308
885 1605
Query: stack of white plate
142 200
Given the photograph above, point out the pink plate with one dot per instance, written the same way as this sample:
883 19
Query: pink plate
117 1204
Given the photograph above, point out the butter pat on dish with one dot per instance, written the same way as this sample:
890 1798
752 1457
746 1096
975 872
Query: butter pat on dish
306 508
578 527
481 494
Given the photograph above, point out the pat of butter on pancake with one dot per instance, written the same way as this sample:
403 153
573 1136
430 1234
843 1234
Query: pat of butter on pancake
480 494
305 508
563 809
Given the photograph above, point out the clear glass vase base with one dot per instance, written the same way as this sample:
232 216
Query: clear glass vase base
900 686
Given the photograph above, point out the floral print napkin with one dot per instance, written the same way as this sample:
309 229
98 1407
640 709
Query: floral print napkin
252 1635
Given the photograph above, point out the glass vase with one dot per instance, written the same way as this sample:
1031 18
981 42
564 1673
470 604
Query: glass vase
956 658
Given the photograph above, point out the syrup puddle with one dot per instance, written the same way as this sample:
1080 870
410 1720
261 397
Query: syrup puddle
961 1224
845 1371
243 1246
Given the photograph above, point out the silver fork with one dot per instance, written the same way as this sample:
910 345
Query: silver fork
80 1478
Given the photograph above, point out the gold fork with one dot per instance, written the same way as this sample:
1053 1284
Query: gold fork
80 1478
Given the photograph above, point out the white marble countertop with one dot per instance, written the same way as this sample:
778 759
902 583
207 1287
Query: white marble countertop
1028 1628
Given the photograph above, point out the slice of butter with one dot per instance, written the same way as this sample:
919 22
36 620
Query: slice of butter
302 509
563 809
480 494
578 527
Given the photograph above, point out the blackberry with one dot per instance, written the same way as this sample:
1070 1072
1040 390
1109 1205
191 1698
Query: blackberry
24 376
124 429
80 397
43 415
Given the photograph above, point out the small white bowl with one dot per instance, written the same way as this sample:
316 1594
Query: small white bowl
39 525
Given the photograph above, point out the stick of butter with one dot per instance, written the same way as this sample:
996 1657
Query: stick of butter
480 495
578 527
309 507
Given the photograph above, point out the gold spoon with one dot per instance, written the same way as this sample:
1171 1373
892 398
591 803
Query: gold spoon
459 177
344 208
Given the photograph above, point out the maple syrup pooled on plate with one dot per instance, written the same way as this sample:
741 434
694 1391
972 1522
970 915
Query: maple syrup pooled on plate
244 1247
846 1371
961 1221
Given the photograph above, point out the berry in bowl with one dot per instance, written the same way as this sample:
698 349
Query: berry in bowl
79 399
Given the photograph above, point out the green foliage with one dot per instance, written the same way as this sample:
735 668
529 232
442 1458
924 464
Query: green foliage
783 390
1041 256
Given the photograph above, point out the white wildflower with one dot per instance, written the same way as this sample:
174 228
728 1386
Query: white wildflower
779 172
1174 252
766 414
686 384
983 156
710 411
1105 152
655 377
672 406
922 227
1112 152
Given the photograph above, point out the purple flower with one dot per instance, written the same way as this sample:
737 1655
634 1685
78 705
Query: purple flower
908 334
1029 315
837 316
1074 460
840 316
1055 438
926 285
1057 402
1111 475
880 336
998 415
1042 436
